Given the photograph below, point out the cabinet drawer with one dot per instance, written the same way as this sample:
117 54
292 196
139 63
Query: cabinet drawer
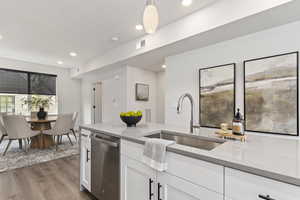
196 171
174 188
241 185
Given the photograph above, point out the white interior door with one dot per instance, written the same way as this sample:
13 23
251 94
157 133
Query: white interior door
97 103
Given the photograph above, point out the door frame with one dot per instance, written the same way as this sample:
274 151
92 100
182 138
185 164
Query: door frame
96 102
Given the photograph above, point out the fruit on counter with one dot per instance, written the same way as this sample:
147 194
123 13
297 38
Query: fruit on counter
131 114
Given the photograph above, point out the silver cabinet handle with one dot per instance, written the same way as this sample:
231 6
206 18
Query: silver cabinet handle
113 144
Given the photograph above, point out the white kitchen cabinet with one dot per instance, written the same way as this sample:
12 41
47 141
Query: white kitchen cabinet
170 187
201 173
240 185
140 182
137 180
85 160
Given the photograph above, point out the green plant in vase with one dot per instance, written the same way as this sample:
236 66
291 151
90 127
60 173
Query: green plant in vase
39 103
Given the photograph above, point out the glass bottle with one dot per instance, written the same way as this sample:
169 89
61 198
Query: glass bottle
238 124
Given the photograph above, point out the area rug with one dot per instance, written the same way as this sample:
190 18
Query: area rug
18 158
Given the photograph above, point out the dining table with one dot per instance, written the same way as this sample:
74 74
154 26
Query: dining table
41 141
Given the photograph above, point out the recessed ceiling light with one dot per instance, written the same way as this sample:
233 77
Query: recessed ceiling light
115 39
186 3
60 62
164 66
73 54
139 27
1 37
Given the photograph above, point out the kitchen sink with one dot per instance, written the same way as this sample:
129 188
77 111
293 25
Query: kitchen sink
199 142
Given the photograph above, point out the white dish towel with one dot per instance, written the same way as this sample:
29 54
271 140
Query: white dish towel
154 154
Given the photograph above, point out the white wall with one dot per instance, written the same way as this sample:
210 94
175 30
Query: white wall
182 70
118 92
68 89
208 18
137 75
113 94
160 96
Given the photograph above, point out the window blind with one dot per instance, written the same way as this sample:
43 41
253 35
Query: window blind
15 82
42 84
22 82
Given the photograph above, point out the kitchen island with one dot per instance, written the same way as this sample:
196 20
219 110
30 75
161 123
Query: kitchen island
263 167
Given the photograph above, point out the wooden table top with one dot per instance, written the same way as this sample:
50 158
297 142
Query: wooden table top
36 120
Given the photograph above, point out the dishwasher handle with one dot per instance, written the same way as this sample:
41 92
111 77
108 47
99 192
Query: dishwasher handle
107 142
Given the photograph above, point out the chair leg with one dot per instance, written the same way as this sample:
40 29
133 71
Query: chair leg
74 134
25 145
9 142
60 139
2 137
20 144
56 144
70 139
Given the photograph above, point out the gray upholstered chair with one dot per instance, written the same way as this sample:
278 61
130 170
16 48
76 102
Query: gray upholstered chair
3 132
63 126
33 114
74 119
17 129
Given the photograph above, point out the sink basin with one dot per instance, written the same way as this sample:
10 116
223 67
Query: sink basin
190 140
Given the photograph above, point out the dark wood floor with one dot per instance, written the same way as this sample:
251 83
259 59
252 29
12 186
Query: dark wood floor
54 180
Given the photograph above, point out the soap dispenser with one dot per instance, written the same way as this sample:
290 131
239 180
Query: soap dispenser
238 124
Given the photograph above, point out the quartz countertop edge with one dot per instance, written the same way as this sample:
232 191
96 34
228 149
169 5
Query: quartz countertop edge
137 135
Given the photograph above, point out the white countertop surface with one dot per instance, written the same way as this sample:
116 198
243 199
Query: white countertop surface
272 157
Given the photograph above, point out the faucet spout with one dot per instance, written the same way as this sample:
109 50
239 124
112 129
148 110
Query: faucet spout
179 108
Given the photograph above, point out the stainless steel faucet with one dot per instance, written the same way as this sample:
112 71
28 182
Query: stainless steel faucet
179 107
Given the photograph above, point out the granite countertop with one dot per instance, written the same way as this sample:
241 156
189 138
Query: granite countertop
277 158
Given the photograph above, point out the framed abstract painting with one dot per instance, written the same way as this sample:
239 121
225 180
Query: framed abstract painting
271 94
141 92
217 95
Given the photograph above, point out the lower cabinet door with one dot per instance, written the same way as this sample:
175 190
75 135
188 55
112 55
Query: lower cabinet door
137 180
170 187
85 163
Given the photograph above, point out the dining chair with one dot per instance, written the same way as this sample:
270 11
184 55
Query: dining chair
17 129
74 119
3 132
63 126
33 114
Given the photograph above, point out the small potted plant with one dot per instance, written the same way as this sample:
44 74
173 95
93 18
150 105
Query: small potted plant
38 104
131 118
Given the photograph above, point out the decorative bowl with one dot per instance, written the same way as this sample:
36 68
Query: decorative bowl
131 121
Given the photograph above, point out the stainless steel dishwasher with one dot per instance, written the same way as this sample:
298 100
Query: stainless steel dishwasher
105 179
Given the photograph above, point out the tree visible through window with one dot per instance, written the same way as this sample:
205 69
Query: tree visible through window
7 104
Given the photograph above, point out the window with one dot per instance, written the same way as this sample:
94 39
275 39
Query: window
7 104
13 82
42 84
22 92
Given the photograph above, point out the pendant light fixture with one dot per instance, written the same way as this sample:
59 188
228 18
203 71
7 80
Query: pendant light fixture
150 17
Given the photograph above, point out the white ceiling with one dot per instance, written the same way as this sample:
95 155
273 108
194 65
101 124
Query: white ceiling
153 59
46 31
